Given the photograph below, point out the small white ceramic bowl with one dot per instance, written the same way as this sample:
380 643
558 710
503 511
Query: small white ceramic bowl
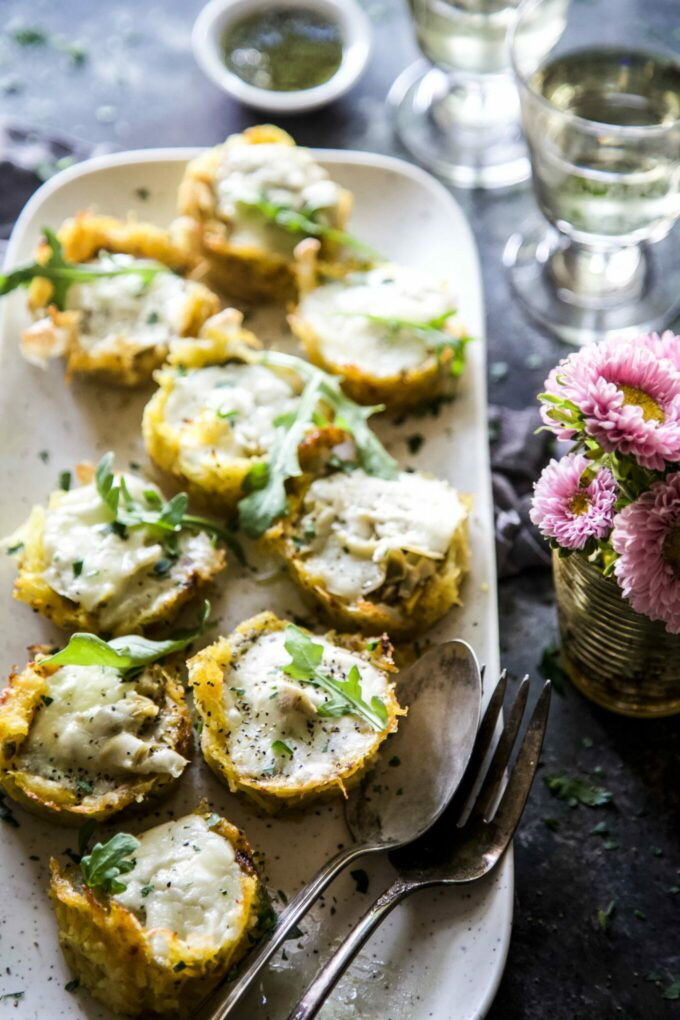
218 15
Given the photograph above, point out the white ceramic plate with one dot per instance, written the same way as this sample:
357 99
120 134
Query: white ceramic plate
441 954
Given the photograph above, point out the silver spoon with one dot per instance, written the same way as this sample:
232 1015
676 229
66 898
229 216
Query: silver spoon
443 690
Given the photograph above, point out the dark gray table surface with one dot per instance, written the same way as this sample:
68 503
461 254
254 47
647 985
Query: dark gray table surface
122 74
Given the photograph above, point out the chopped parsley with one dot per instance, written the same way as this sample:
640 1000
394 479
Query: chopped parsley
577 791
65 480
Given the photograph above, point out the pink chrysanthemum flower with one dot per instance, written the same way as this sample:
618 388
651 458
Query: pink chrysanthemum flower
646 535
569 512
665 346
627 396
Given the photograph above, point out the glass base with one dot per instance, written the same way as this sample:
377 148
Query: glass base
465 129
582 296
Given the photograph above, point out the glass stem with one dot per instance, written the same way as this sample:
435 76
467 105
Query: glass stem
598 277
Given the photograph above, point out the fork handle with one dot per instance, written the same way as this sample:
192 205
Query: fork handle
294 912
331 972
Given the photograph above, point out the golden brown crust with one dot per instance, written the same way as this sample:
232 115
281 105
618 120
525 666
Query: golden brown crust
19 703
402 620
56 332
398 392
207 679
30 586
246 271
222 339
112 953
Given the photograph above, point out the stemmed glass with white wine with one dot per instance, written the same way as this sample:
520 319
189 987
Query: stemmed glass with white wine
459 114
601 113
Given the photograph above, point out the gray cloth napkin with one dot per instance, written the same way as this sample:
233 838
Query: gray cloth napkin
518 453
27 158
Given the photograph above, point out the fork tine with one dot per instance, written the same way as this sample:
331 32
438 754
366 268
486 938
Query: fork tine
488 793
519 784
480 750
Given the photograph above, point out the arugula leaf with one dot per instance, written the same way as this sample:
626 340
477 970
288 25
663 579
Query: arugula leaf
265 483
346 695
302 222
577 791
269 502
63 274
100 868
167 519
431 332
127 653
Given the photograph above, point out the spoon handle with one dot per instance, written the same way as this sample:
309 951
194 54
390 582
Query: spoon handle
331 972
286 922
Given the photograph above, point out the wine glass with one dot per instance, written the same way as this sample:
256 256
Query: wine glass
601 113
461 117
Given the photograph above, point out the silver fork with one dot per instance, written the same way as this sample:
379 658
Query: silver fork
466 843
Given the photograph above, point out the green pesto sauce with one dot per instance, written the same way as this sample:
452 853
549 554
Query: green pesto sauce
284 50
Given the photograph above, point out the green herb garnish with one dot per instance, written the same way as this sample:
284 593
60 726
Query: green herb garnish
100 868
577 791
605 915
126 654
65 481
431 332
146 889
281 747
346 695
167 520
62 274
265 483
301 221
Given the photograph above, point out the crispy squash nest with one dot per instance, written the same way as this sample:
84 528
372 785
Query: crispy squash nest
246 271
403 619
207 677
221 339
58 333
399 391
32 588
112 954
20 702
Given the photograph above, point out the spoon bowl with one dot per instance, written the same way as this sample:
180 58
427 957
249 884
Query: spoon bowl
426 758
412 783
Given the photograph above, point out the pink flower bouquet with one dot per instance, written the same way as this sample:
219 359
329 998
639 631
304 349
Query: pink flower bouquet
615 497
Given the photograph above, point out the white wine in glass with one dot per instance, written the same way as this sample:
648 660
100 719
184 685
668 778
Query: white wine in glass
461 116
601 112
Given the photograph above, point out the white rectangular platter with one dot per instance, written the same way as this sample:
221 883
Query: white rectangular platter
440 955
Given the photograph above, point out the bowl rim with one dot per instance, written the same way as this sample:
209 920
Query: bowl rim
217 15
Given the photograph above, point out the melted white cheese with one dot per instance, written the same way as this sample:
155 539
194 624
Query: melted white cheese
96 727
120 309
283 174
336 312
93 566
226 412
357 520
264 705
193 886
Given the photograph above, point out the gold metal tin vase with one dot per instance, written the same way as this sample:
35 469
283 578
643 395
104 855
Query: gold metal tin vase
615 656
